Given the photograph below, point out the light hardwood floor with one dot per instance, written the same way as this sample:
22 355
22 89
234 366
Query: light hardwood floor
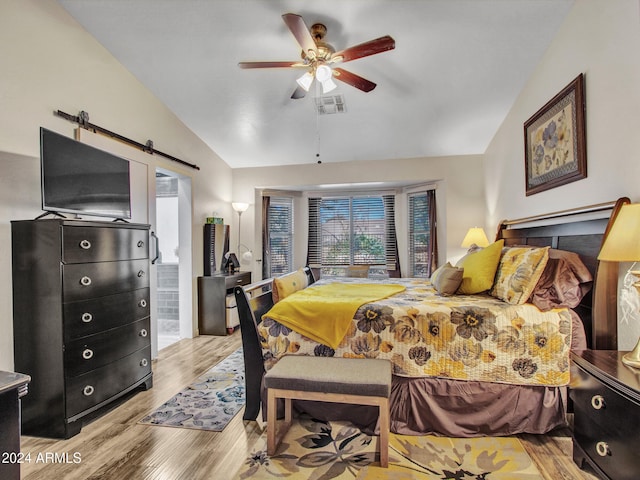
115 447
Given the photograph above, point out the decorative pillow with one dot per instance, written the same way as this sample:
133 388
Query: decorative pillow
518 273
564 282
446 279
480 269
285 285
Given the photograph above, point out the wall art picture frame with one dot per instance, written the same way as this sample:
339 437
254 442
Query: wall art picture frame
555 141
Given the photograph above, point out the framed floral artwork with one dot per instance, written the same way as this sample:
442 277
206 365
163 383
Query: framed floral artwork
555 141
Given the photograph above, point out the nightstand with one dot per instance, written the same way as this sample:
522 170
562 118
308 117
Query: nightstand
13 386
606 397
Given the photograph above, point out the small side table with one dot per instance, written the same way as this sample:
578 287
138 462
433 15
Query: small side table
212 306
12 387
606 396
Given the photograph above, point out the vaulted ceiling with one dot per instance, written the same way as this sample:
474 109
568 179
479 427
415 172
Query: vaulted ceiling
456 70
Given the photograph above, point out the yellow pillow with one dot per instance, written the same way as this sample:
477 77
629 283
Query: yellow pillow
480 269
518 273
285 285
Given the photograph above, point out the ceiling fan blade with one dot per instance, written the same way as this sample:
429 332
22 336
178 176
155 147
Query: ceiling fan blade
365 49
300 31
353 80
298 93
269 64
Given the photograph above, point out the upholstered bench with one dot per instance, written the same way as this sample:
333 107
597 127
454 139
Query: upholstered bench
328 379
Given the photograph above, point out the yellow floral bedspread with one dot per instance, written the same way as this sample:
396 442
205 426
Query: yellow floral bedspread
464 337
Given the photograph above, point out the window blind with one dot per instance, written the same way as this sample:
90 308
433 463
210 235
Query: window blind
390 239
350 231
280 219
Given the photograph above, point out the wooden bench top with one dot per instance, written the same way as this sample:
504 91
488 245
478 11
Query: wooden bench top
352 376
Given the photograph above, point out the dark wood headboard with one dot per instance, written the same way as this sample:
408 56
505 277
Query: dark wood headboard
569 230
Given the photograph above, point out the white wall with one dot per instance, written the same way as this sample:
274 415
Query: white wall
460 196
48 62
600 38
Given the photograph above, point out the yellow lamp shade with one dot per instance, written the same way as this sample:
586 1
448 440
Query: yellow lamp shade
623 242
475 235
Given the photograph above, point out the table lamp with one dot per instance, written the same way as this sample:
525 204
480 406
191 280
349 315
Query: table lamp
476 236
623 245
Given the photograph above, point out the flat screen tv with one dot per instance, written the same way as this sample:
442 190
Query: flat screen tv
81 179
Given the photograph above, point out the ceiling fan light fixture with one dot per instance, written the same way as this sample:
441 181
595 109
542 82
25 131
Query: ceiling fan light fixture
323 73
328 85
305 81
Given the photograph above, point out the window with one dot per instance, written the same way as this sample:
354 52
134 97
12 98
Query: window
422 237
352 230
280 228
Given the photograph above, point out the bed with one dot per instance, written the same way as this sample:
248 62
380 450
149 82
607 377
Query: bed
451 376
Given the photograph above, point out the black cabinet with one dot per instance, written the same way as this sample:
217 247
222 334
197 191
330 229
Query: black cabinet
12 387
213 292
606 400
80 318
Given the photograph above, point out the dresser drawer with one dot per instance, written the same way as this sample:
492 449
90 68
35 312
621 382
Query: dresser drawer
92 316
91 280
94 351
103 244
88 390
237 280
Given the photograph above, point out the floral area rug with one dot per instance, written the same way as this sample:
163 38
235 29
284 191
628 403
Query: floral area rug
210 402
317 450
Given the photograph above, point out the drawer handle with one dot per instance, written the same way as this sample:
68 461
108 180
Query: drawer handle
143 332
144 362
140 243
142 303
85 244
87 317
140 273
597 402
86 281
87 353
88 390
23 390
602 449
239 281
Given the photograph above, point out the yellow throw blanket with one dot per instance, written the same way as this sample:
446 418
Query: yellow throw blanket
324 312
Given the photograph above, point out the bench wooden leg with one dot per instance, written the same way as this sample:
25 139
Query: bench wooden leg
272 408
383 441
273 436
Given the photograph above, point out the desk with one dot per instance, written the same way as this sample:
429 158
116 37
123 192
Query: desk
212 295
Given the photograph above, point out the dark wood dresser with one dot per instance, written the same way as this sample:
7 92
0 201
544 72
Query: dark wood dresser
80 318
606 396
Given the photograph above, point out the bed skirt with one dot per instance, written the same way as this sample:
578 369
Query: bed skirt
455 408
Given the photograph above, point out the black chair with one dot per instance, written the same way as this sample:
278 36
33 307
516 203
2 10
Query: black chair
253 301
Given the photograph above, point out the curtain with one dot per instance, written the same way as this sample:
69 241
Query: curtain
266 247
391 239
433 235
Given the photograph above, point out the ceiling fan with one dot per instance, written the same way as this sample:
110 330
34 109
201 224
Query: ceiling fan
318 58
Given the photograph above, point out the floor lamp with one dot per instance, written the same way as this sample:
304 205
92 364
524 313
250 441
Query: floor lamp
241 207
